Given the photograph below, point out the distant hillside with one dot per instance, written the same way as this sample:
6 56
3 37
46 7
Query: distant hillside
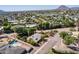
4 13
1 11
62 7
75 8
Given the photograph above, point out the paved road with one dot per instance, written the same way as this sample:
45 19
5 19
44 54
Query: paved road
59 30
49 44
56 40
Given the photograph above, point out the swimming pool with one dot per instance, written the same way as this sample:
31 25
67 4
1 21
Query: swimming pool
13 42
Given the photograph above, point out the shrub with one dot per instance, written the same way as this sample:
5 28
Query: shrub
55 31
24 38
69 40
72 29
52 33
63 34
32 42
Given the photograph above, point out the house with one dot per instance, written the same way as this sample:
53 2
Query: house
1 22
15 47
12 50
22 21
12 20
31 25
4 39
10 45
36 37
1 30
16 43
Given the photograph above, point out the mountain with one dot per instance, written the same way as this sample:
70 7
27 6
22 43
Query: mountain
75 8
2 12
62 7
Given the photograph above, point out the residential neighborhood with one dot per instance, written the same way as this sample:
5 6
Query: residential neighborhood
54 31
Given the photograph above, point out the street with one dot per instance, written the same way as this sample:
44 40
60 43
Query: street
48 45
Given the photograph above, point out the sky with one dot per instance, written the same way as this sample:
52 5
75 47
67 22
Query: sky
30 7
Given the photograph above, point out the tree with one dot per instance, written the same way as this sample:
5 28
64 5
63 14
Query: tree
31 41
44 25
66 21
7 26
77 24
23 31
31 30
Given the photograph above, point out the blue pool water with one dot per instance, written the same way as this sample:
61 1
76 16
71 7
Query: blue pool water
13 42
